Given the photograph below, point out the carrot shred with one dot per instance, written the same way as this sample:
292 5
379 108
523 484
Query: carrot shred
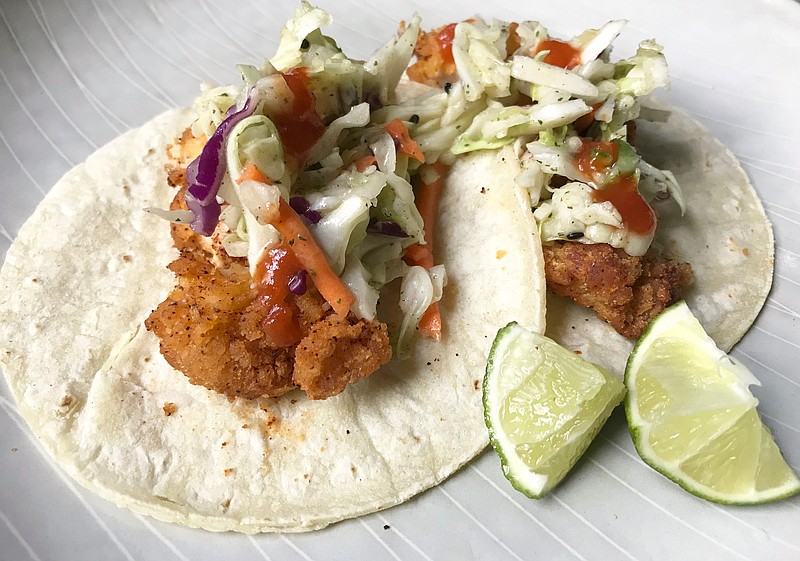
405 144
512 41
430 324
365 162
311 257
251 172
418 254
296 234
427 200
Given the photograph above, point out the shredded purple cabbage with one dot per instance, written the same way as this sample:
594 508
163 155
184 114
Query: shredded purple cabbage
204 175
387 228
297 284
299 204
205 217
302 207
374 101
312 216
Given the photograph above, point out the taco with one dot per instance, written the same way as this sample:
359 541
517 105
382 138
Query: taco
723 234
89 268
92 341
637 205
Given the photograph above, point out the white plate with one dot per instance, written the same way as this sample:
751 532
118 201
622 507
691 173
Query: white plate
73 75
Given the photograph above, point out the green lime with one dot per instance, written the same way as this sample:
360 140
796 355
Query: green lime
692 416
543 405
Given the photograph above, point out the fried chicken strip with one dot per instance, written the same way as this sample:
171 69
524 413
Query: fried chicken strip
625 291
434 63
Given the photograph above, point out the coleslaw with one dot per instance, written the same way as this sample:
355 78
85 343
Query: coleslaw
344 141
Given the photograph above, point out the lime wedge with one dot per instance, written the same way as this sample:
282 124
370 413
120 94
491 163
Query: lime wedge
693 418
543 405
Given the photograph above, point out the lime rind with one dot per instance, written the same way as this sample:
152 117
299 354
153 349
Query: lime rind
543 405
716 447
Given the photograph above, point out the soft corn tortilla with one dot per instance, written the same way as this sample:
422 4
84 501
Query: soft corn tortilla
725 235
89 266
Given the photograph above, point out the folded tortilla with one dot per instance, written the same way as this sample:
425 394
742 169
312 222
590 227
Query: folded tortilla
90 265
725 235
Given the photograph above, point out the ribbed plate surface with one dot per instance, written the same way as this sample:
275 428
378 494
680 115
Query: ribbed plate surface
75 74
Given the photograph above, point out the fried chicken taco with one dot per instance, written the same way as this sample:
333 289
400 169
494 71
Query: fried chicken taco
233 367
637 205
302 340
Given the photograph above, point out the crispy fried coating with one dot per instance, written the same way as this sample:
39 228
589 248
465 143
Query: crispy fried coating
625 291
182 235
435 64
432 67
181 153
209 330
210 326
337 352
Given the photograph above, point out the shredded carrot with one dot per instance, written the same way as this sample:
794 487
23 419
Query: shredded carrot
251 172
405 144
365 162
311 257
427 200
296 234
430 324
419 253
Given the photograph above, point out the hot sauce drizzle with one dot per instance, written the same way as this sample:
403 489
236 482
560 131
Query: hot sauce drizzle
598 158
635 212
445 41
301 126
273 274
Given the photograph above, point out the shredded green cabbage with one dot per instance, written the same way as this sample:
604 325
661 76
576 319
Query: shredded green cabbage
420 288
495 99
306 20
256 139
211 106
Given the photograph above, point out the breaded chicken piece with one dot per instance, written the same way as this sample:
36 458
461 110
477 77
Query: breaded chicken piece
431 68
182 235
625 291
435 67
337 352
181 153
210 326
